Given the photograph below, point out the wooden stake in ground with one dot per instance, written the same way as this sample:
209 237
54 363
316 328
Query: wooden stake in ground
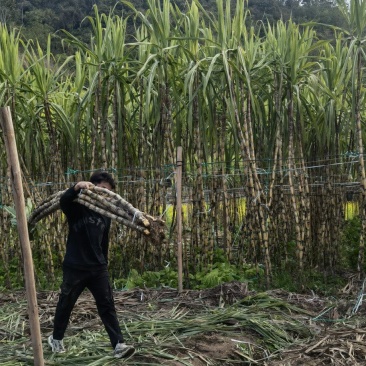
179 217
16 180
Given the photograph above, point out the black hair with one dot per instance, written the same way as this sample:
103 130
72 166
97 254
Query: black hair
102 176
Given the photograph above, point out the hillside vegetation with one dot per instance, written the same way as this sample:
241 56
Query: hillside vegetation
38 18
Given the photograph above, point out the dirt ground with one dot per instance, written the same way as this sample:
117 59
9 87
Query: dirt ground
337 325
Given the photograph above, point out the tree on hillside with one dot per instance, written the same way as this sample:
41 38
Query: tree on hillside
7 11
270 10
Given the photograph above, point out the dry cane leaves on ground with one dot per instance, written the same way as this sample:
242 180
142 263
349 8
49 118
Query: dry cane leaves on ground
225 325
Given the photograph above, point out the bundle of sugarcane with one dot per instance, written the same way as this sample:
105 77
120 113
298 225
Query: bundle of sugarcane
109 204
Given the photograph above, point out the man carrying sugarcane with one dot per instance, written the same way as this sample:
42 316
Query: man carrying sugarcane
85 266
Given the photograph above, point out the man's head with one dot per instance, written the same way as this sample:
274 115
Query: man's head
101 176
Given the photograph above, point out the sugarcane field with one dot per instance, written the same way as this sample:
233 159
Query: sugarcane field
182 183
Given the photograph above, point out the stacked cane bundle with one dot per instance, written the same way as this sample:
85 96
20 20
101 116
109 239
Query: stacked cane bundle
109 204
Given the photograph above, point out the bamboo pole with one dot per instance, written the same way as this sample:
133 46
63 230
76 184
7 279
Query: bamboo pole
179 217
16 180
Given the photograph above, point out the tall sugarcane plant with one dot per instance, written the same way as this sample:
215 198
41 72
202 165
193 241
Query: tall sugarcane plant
270 124
355 14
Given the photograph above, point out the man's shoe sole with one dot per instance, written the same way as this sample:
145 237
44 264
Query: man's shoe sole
130 352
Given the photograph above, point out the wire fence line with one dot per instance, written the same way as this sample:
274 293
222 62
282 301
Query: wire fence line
233 175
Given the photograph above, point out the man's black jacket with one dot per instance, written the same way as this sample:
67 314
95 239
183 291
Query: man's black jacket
87 242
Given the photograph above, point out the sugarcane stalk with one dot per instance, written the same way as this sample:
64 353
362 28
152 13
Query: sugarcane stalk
106 213
96 205
41 214
139 217
45 208
120 202
105 203
109 204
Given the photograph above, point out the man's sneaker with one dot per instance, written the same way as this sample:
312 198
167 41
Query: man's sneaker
56 345
122 350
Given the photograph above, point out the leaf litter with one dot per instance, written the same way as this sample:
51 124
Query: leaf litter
225 325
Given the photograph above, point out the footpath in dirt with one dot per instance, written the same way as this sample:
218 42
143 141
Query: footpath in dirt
225 325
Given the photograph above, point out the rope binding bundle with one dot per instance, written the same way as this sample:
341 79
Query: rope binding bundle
109 204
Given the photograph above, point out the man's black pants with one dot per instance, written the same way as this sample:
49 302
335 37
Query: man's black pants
73 284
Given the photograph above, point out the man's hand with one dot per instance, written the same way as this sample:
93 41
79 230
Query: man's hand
83 185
